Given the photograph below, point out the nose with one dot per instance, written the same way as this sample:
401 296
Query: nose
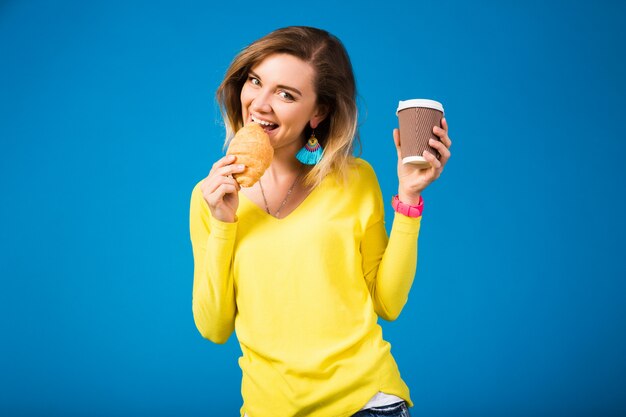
261 103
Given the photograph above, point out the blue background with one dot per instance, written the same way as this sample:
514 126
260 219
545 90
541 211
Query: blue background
108 119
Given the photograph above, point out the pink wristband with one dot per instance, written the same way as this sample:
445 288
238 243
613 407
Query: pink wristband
408 210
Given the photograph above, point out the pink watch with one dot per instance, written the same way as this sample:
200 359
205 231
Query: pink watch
407 210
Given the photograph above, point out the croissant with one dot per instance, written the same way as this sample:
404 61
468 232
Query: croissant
252 147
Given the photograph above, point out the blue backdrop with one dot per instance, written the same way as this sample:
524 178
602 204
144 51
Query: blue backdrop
108 119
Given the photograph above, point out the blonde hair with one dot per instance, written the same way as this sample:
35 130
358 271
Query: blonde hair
334 84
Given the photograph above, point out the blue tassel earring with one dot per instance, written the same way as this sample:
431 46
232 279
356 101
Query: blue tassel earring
311 153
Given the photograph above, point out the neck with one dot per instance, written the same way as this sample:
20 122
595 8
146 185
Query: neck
284 165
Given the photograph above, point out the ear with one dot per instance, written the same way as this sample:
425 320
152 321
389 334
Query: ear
318 117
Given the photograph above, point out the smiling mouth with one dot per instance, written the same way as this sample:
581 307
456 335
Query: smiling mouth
267 126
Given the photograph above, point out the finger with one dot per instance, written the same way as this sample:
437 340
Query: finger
443 136
221 191
441 148
434 162
227 160
229 170
224 189
213 182
441 133
444 125
396 140
444 159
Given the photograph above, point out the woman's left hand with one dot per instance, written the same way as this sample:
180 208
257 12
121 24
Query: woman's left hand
413 180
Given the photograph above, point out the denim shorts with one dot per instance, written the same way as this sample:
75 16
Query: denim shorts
391 410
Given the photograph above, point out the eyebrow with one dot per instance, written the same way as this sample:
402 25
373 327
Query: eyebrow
286 87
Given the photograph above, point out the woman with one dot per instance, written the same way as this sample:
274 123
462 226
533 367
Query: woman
300 264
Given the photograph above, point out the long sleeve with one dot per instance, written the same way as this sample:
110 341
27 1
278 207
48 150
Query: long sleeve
213 304
389 264
304 286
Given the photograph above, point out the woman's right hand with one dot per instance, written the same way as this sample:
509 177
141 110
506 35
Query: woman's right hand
221 190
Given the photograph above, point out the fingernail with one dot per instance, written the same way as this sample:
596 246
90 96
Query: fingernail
241 166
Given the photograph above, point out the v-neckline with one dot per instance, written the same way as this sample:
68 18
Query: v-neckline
261 211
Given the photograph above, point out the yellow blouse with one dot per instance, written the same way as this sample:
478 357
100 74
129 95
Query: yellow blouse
304 293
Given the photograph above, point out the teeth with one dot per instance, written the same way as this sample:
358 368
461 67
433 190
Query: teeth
261 122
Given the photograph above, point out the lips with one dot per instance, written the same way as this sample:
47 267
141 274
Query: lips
267 125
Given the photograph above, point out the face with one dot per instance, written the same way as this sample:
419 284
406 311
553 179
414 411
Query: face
279 94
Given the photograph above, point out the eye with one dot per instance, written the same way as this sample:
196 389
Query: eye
254 80
285 95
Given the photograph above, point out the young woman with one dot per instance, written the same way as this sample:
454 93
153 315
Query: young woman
300 264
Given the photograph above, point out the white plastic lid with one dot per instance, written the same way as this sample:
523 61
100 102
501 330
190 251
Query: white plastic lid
419 102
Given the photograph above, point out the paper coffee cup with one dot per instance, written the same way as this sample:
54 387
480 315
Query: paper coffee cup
416 119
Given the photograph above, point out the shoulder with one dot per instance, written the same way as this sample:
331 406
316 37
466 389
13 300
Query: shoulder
196 192
362 164
363 191
198 205
360 183
362 172
199 214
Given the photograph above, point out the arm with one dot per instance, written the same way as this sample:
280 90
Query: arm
389 265
213 305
